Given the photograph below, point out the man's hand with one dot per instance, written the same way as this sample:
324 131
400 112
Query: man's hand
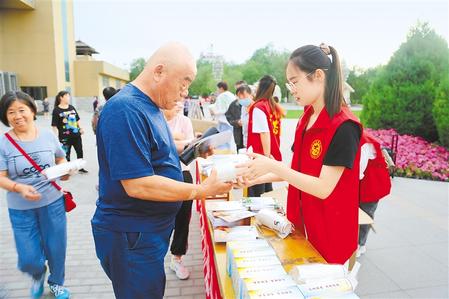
28 192
204 153
212 186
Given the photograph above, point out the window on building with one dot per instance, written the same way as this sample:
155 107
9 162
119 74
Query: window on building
38 93
105 81
2 85
65 40
118 84
8 82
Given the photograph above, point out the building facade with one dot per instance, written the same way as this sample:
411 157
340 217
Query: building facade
38 52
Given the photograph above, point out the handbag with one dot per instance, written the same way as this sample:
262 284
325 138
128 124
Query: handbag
69 202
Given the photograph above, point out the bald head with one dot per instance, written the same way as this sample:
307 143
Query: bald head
172 55
167 75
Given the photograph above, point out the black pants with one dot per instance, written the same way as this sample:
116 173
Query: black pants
181 231
238 137
369 208
76 142
257 190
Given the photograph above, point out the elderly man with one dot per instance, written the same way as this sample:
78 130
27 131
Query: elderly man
141 183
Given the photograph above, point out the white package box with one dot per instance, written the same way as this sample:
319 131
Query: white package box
268 283
288 293
225 166
253 262
310 272
259 243
256 272
326 288
246 252
257 261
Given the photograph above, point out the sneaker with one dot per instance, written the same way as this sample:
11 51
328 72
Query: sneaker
59 292
37 287
360 250
180 271
82 170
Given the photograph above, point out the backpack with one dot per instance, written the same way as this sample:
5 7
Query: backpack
376 183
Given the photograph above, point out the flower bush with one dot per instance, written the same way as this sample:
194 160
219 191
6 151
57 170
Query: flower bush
415 157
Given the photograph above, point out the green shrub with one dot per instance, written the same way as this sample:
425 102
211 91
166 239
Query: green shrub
441 111
402 95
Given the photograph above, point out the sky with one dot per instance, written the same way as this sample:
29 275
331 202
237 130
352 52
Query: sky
365 33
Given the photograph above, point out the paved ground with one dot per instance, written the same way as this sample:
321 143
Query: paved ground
407 258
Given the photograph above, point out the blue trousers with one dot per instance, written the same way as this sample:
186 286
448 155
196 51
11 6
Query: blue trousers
133 261
41 234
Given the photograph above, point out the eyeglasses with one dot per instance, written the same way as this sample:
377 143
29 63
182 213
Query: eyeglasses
292 86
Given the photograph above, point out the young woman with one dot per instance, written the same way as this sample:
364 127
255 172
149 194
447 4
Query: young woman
36 208
182 131
264 128
65 123
324 176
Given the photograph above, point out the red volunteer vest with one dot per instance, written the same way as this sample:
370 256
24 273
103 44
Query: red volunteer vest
274 125
376 183
331 225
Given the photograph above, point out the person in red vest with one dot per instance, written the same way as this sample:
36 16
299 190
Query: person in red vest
323 195
264 128
375 182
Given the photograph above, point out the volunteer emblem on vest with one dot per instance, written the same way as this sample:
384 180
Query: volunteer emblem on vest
315 149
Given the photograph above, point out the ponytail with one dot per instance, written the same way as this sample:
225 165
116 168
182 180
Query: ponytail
310 58
334 83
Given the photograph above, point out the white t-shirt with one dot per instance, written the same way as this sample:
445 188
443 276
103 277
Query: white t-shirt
260 122
222 104
367 152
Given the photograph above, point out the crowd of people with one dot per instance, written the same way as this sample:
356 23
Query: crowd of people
146 199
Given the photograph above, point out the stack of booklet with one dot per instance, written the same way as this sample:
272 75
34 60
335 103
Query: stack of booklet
230 221
325 281
255 270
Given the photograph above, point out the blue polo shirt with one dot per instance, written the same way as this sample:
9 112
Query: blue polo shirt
133 141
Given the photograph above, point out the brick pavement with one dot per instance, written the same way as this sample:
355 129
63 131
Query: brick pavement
84 275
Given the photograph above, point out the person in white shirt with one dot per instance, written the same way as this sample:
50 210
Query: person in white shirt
224 99
245 98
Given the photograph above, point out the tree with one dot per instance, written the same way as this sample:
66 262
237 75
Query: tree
204 82
137 66
231 74
266 61
403 93
441 111
361 80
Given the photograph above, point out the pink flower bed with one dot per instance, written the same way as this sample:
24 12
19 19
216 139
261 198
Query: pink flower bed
416 158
